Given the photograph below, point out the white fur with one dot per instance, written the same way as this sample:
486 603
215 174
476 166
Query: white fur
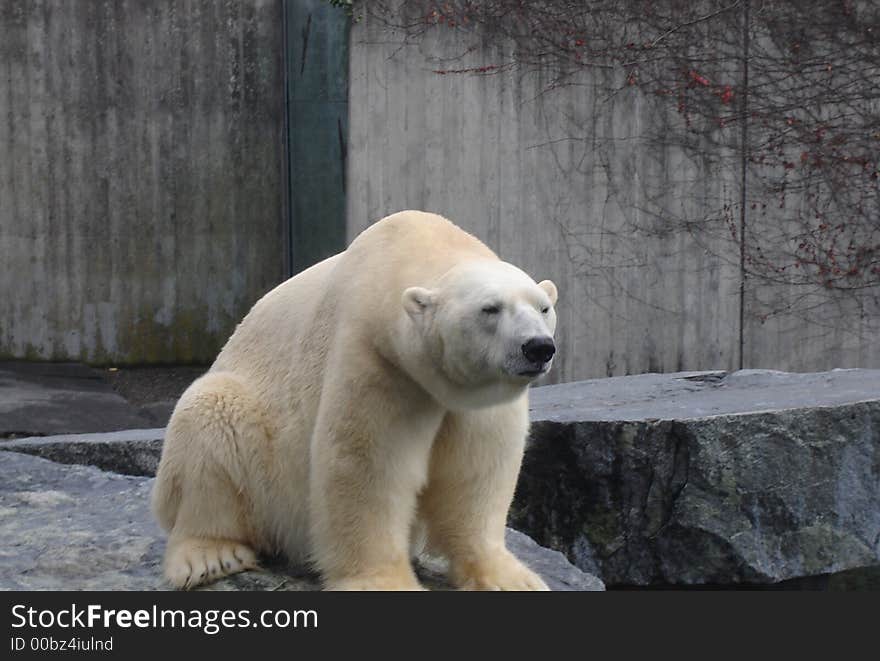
380 389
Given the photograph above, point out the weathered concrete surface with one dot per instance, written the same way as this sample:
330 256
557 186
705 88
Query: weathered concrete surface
756 477
57 398
79 528
141 177
585 182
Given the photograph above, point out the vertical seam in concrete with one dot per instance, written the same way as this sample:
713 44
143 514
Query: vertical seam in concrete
305 44
343 150
743 196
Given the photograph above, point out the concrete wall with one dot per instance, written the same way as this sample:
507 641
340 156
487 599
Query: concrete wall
142 189
573 185
140 177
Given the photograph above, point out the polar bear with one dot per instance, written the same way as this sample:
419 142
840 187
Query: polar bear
379 396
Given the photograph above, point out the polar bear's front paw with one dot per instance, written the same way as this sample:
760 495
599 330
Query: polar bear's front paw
192 562
501 571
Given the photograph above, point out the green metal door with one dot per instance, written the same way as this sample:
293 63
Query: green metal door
316 60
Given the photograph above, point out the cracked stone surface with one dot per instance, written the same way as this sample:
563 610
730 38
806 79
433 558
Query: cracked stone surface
75 527
705 478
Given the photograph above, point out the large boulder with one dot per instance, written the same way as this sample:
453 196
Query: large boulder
75 527
707 478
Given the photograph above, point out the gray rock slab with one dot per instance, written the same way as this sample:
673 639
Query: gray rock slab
38 399
687 395
753 477
132 452
72 527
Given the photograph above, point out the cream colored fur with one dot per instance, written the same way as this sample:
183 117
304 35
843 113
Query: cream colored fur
359 398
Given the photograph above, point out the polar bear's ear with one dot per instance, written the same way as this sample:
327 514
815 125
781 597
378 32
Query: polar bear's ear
550 289
417 299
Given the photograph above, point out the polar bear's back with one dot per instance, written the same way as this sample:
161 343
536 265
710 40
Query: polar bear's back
415 243
283 339
280 347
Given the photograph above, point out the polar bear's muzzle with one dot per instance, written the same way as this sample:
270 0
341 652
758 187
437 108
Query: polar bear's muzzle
538 352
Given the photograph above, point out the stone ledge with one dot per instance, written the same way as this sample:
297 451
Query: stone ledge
131 452
70 527
696 478
691 395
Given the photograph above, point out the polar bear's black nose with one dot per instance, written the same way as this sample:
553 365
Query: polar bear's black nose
539 349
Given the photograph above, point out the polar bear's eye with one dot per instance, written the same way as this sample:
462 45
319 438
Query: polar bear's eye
491 309
545 310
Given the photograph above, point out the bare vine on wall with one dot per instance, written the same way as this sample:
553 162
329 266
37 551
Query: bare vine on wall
787 92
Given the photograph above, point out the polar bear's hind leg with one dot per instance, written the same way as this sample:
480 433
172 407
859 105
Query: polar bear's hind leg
212 457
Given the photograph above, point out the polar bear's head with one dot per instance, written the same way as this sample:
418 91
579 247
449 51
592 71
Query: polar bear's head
487 328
